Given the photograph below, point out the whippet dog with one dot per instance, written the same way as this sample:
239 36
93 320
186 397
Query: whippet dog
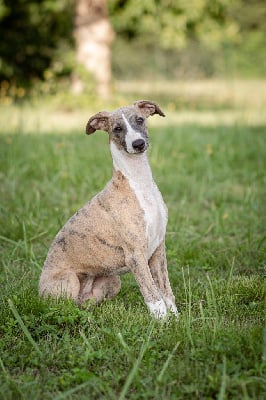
121 229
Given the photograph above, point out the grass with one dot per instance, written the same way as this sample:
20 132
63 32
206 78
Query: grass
202 102
213 180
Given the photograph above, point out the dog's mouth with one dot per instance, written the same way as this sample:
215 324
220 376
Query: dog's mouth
136 152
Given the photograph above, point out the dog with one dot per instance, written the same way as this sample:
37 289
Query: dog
122 229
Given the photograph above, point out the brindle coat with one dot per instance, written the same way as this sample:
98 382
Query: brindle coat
108 236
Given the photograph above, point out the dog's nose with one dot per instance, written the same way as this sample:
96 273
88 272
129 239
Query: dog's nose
138 144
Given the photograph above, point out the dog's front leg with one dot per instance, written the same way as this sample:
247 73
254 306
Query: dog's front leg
138 265
158 268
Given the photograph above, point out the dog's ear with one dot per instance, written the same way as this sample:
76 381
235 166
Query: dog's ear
148 108
99 121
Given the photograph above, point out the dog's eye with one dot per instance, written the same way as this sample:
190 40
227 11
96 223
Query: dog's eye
118 128
139 120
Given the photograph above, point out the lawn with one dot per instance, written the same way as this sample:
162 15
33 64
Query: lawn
212 177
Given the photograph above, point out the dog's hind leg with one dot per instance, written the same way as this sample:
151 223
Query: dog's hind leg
64 283
99 288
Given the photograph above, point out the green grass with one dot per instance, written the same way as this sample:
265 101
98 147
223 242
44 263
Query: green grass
213 180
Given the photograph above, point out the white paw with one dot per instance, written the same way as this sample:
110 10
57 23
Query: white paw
171 307
158 309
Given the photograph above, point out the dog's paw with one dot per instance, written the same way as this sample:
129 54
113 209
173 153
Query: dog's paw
171 307
158 309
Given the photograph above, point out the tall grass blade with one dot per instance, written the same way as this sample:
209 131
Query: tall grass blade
212 303
188 296
264 345
165 366
136 365
23 326
123 343
229 280
5 239
223 383
2 366
69 392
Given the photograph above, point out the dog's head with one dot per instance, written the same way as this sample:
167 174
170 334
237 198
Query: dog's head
126 126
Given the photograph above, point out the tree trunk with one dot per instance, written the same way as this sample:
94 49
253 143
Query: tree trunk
93 34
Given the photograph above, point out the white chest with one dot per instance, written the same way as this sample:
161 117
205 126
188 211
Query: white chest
155 213
137 170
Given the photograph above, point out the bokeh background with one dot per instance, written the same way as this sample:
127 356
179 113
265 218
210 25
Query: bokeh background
196 55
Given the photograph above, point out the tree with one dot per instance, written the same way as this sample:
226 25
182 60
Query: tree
93 34
171 23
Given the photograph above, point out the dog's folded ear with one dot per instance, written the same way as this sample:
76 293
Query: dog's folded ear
98 121
148 108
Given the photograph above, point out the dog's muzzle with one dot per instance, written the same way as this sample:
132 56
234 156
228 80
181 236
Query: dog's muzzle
139 145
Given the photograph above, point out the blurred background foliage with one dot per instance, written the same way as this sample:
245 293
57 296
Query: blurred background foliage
154 39
36 39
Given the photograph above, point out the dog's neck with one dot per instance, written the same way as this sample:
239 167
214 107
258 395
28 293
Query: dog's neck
135 167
